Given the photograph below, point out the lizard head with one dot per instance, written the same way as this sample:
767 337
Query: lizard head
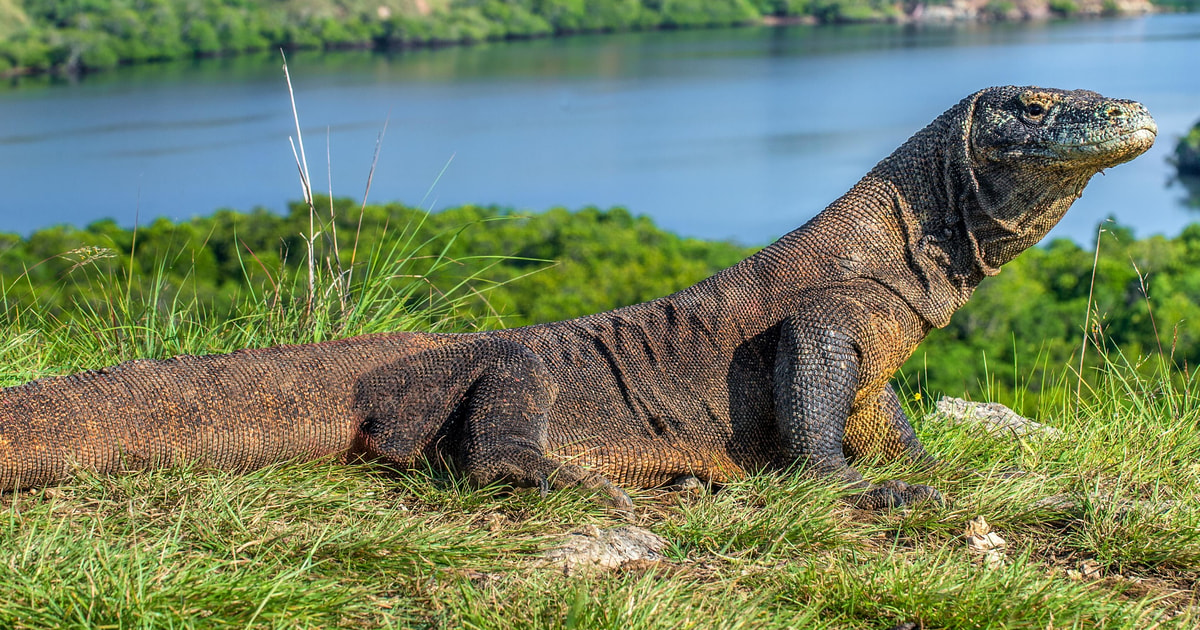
1055 130
1029 152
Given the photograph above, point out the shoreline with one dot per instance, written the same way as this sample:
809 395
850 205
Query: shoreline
388 33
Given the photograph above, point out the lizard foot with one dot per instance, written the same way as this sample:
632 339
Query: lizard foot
531 470
612 495
686 484
894 493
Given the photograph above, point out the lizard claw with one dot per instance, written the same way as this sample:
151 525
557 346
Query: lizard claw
686 484
615 497
620 498
895 493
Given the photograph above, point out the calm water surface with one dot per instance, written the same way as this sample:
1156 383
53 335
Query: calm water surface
740 133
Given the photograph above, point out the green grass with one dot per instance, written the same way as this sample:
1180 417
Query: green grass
323 545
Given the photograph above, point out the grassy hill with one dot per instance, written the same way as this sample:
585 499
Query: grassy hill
1102 531
12 18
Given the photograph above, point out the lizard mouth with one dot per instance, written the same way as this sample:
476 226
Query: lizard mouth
1143 135
1112 150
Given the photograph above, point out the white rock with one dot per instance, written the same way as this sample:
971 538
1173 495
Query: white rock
611 548
995 419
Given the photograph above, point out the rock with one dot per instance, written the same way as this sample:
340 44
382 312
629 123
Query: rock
990 10
606 549
934 13
995 419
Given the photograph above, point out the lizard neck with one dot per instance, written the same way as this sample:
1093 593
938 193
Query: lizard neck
930 222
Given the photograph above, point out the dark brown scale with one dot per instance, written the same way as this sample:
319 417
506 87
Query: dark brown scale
782 360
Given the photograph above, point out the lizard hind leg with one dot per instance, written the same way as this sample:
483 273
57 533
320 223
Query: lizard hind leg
506 428
484 403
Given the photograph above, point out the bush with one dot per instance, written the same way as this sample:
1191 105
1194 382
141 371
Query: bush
692 13
237 33
99 55
469 25
30 50
164 34
566 16
783 7
1063 8
999 9
515 20
76 50
836 11
300 36
1187 153
619 15
202 38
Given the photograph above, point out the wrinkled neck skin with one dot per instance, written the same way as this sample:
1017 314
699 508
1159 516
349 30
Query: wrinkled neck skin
1010 212
929 222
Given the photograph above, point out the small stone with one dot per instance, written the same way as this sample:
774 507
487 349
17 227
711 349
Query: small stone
994 419
612 548
1057 502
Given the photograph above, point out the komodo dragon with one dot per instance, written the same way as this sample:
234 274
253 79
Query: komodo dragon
781 360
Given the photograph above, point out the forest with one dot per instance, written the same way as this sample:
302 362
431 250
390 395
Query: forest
1018 340
86 35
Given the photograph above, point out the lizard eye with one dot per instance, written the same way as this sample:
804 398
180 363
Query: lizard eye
1035 110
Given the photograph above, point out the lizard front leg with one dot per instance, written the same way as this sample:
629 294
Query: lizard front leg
818 375
880 427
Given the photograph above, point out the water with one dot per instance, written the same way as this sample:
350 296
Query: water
738 133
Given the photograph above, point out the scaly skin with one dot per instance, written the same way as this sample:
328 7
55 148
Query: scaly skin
781 360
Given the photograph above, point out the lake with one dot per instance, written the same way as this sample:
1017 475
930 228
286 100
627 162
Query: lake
732 133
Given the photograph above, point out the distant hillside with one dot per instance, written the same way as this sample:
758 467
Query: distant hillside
12 18
69 37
